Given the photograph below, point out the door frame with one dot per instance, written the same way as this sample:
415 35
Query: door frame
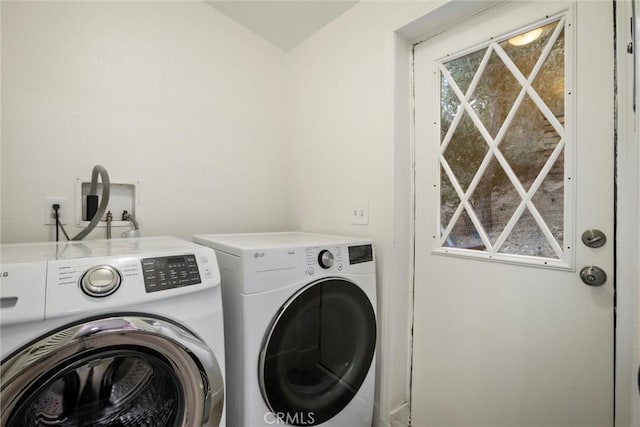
428 21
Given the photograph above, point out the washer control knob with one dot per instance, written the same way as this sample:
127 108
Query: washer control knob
325 259
100 281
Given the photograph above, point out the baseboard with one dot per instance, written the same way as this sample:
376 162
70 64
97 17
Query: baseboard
400 416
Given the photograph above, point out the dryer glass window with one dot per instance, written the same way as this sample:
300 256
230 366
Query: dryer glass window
318 352
123 388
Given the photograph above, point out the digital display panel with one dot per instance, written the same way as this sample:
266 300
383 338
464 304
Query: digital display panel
361 253
170 272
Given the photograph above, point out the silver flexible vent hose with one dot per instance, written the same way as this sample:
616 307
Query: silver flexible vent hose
104 200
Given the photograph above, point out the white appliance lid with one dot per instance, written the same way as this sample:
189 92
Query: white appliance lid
26 252
275 240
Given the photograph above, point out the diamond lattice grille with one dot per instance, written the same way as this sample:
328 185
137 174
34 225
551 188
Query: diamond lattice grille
502 139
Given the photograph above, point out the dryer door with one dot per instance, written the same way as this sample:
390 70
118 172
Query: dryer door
121 370
317 352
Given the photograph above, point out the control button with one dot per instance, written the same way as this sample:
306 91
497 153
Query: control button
339 267
207 273
325 259
311 270
100 281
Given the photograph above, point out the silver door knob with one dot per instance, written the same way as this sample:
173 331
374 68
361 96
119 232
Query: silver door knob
593 276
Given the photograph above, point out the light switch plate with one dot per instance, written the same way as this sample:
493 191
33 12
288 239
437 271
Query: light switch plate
359 213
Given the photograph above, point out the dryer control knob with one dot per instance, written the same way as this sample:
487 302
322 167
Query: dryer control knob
100 281
325 259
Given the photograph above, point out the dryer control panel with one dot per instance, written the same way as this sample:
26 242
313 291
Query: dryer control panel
337 258
324 257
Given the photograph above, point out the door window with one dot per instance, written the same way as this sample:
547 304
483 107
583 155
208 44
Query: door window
502 142
318 352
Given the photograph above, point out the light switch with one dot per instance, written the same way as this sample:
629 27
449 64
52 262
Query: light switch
359 213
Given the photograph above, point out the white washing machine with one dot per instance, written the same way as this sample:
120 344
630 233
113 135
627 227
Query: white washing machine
125 332
300 328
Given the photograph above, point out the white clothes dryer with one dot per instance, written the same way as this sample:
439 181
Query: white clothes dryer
125 332
300 328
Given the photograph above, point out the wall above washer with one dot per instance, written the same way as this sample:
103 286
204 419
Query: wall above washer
173 95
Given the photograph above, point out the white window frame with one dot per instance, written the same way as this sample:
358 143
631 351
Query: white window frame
566 254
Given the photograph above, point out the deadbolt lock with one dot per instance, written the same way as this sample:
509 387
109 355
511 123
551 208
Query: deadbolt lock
593 276
594 238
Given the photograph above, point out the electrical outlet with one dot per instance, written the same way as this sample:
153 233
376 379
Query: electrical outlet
359 213
65 212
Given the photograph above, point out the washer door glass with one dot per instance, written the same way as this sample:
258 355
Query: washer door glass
106 389
115 371
317 352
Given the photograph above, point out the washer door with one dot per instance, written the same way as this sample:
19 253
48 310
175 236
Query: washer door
121 370
317 352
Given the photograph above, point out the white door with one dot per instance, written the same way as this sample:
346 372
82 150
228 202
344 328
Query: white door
514 150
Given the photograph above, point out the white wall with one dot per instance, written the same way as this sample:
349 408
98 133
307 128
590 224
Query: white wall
340 112
172 94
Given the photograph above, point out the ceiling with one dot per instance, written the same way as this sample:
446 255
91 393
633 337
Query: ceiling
283 23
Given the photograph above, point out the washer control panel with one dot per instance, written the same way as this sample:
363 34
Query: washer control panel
117 274
170 272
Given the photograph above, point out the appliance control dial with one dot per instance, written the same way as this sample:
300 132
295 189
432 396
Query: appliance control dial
325 259
100 281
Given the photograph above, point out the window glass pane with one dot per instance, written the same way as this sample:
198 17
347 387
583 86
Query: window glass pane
525 55
549 83
495 94
464 68
528 142
495 200
449 200
527 239
449 105
464 234
549 200
465 151
529 134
